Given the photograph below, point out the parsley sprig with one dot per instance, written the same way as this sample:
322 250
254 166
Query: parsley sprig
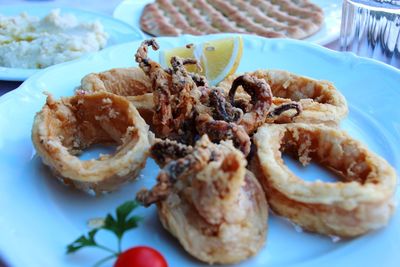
119 225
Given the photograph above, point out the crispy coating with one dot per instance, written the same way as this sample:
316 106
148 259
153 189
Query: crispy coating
321 102
362 199
183 106
161 82
223 110
218 130
209 196
63 128
221 120
190 108
172 94
120 81
204 191
258 108
167 150
131 83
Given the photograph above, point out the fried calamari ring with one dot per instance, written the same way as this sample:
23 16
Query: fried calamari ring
62 129
131 83
208 200
321 102
360 202
120 81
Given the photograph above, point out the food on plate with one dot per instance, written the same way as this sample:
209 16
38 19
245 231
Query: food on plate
177 100
64 128
320 100
217 58
167 84
208 200
258 108
131 83
221 118
141 256
121 81
206 194
267 18
31 42
362 199
186 107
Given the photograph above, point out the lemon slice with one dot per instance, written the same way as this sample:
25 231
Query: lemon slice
218 58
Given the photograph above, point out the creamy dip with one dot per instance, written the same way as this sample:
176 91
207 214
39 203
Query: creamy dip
31 42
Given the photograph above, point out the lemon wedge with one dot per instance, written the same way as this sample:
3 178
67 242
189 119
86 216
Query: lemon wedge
218 58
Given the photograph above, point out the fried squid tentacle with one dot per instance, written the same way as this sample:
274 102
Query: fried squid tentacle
199 79
192 161
223 110
182 88
162 118
218 130
186 107
261 101
167 150
279 110
209 196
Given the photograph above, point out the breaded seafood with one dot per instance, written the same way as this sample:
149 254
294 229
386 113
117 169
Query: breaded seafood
321 102
131 83
361 200
184 106
64 128
208 200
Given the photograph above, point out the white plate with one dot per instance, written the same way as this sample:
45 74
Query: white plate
119 32
39 216
131 10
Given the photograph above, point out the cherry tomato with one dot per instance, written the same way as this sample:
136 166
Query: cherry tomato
141 257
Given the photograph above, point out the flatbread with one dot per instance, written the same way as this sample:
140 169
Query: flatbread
268 18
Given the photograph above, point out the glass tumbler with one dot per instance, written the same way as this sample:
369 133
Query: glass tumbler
371 28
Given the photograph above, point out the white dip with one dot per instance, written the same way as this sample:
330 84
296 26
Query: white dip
30 42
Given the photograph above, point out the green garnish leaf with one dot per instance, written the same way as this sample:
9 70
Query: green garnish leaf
123 221
83 241
132 222
125 209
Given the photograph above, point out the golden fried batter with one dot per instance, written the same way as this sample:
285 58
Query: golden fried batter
360 202
63 128
209 201
321 102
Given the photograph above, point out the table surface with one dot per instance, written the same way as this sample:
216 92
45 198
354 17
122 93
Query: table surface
105 7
